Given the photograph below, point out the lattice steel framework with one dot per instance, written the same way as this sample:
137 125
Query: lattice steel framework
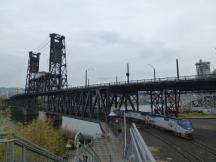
165 102
57 62
32 70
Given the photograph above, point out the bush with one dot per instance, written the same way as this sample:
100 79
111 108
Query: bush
43 134
5 122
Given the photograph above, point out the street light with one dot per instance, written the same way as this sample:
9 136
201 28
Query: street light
128 74
125 135
86 76
153 69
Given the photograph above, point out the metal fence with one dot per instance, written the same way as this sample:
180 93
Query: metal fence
14 148
17 149
137 150
142 81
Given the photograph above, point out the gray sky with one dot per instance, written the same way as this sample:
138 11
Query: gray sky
104 35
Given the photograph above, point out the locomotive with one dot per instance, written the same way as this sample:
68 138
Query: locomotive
179 126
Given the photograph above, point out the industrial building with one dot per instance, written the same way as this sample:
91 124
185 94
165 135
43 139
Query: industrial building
203 68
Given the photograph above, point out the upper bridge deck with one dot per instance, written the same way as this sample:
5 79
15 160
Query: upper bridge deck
183 84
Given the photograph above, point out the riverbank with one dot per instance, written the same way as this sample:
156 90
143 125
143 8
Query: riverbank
40 132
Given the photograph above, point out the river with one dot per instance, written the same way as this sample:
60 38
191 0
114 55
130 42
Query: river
85 127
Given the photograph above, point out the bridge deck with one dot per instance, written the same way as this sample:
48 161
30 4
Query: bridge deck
184 84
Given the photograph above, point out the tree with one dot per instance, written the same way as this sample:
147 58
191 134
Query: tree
43 134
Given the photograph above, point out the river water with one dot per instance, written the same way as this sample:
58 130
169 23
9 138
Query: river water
90 128
85 127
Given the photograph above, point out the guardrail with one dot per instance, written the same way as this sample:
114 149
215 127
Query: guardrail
17 149
14 148
156 80
192 77
137 150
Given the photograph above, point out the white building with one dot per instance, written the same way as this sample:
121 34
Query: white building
203 68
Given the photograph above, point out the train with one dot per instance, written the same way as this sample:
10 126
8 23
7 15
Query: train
179 126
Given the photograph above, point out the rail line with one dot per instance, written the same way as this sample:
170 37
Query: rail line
184 153
204 146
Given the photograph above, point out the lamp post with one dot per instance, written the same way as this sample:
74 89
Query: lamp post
177 69
128 74
125 135
153 70
86 76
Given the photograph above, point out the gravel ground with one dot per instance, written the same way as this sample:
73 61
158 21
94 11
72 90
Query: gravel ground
167 147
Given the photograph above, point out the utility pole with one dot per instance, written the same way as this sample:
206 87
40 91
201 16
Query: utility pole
128 74
86 78
177 68
153 70
116 79
125 135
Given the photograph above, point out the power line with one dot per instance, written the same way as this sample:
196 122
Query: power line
45 48
42 47
41 44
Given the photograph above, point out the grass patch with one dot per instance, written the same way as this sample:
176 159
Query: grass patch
154 149
156 153
196 115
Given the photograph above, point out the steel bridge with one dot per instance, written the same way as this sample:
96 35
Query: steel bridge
96 101
49 91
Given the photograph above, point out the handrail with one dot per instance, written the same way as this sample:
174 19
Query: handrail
27 145
131 82
137 148
26 142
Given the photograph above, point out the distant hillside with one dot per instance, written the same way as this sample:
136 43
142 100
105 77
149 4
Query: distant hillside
8 92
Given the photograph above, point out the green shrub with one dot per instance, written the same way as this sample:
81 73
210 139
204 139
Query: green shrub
43 134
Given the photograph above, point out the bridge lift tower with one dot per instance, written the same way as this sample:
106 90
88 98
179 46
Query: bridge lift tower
57 62
32 70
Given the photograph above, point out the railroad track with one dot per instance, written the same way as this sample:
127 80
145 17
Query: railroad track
191 157
205 147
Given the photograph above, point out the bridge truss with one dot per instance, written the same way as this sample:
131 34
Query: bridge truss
96 101
49 90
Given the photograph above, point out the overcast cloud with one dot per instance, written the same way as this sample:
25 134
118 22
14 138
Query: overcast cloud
104 35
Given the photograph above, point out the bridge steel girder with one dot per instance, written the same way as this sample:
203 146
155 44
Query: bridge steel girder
92 103
165 102
97 101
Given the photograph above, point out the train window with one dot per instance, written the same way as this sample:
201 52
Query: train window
185 124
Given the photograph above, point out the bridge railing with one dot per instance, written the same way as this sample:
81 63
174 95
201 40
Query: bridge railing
192 77
137 150
156 80
17 149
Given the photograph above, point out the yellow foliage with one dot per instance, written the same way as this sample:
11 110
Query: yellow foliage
43 134
5 122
